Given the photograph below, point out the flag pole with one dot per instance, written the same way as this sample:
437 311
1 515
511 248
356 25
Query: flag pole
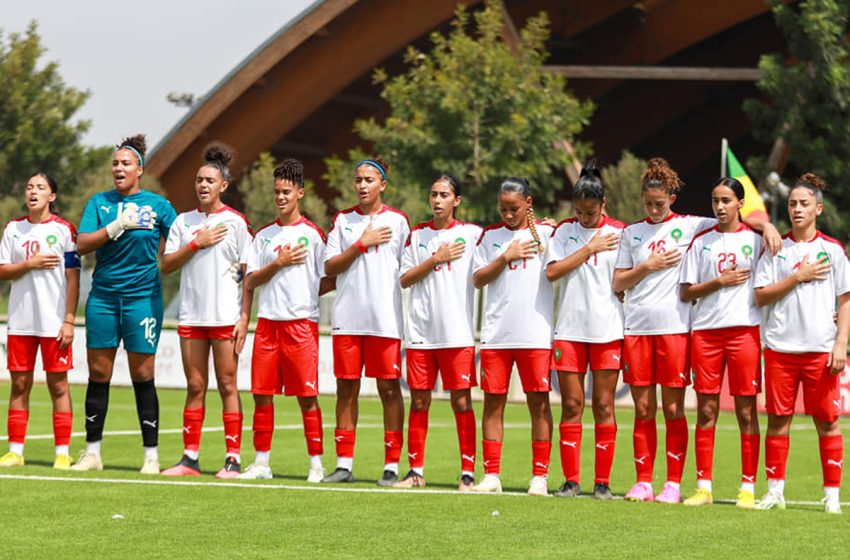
724 145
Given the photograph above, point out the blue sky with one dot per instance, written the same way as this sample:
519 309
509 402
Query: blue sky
131 55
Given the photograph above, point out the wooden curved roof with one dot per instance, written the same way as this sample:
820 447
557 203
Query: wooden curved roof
299 92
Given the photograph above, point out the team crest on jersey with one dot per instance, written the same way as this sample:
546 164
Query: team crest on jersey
823 255
303 241
51 240
460 240
557 354
747 250
676 234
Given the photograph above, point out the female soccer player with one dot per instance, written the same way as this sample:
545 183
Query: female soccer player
38 254
437 267
124 227
717 274
286 263
657 325
589 331
365 246
210 246
518 310
803 344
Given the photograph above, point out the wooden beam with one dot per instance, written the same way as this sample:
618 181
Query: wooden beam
604 72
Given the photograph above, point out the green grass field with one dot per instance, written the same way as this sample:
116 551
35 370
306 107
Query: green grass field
48 513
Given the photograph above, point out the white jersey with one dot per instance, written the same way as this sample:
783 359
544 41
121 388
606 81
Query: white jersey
209 296
37 299
519 303
711 253
652 305
368 294
293 292
802 321
440 307
589 308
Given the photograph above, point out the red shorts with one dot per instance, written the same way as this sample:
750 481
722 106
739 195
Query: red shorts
575 357
285 358
783 373
533 365
380 355
21 351
735 348
206 333
456 366
657 359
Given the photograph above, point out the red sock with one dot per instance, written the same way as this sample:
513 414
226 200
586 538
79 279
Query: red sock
606 439
344 443
749 457
831 459
62 428
677 448
492 456
417 431
570 446
16 425
392 446
313 432
541 451
645 439
776 456
704 451
465 422
263 427
193 421
232 431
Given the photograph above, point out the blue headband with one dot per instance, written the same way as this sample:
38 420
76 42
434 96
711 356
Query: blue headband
374 164
135 151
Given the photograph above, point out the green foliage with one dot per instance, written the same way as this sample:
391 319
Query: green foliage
36 128
810 98
474 108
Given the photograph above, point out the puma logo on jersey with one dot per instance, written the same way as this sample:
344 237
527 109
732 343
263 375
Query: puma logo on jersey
234 438
603 446
833 462
346 228
470 458
396 367
572 444
466 377
674 456
638 239
64 360
771 470
641 460
837 403
151 423
423 246
683 376
616 357
106 209
755 383
573 238
497 245
310 385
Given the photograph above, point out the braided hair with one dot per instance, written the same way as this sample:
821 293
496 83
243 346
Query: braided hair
520 185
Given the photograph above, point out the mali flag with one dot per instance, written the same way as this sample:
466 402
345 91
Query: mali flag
753 204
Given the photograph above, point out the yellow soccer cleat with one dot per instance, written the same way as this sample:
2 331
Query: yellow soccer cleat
746 500
12 459
702 497
62 462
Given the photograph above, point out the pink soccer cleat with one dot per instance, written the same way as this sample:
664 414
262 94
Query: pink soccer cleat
640 492
231 468
184 467
670 494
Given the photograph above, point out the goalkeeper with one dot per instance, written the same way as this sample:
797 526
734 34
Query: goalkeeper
125 228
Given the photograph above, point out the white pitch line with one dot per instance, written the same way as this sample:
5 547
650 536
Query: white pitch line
313 488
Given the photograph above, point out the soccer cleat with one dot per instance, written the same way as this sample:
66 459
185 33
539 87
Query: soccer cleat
150 466
602 492
702 497
12 459
669 494
339 475
569 489
640 492
539 486
410 480
490 483
257 471
771 500
315 475
230 469
186 466
746 500
389 478
88 462
831 504
62 462
466 483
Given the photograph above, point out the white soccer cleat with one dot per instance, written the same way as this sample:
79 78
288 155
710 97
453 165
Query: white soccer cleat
88 462
771 500
831 504
315 475
490 483
539 486
150 466
257 471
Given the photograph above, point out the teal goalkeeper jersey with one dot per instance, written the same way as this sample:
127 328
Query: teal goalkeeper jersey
127 267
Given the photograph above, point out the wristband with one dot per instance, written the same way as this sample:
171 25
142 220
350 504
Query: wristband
68 323
194 246
360 247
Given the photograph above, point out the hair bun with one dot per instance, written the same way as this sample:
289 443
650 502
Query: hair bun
138 142
591 167
813 180
657 162
218 153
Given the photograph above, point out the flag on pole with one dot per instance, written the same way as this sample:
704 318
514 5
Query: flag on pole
753 203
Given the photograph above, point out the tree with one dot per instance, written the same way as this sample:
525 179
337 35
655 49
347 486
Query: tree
36 128
476 108
809 99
